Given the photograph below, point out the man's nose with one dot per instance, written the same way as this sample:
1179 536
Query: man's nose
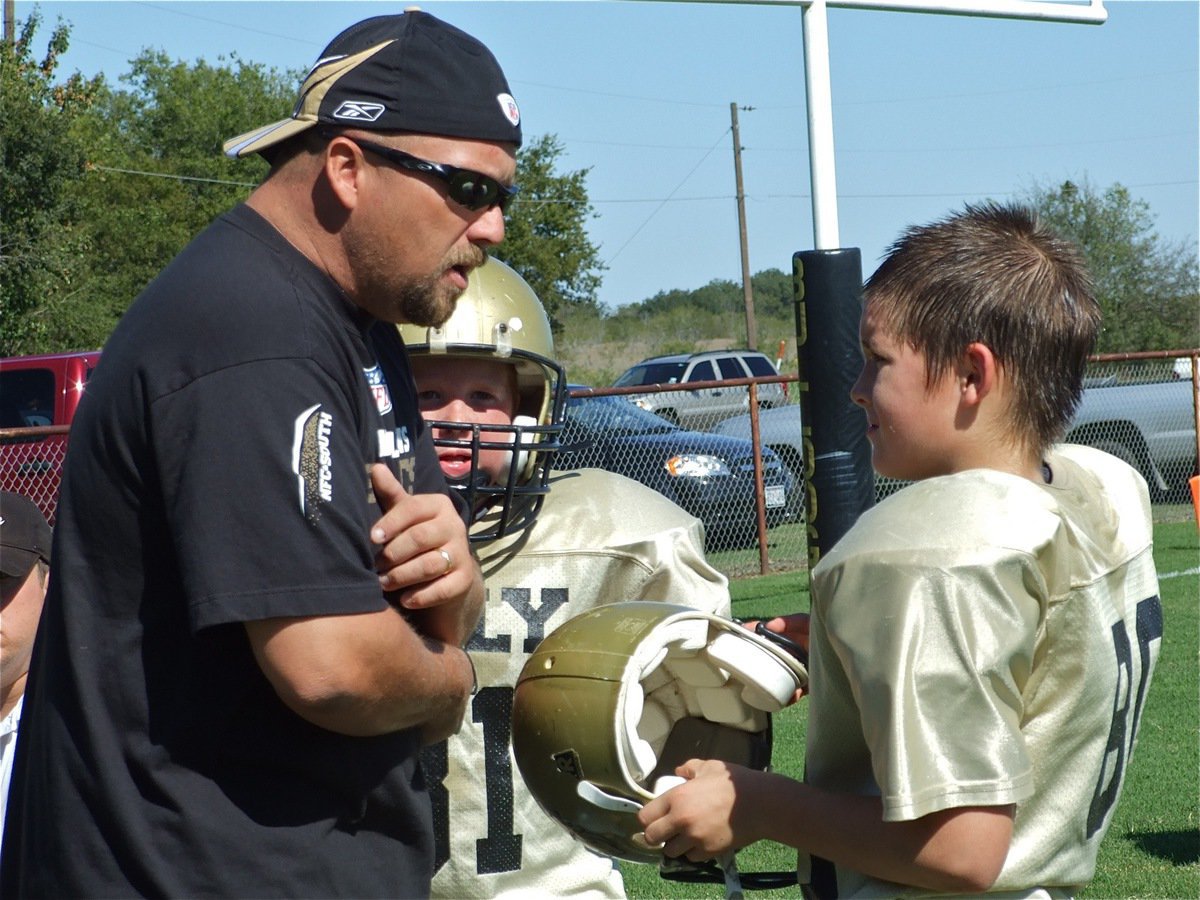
488 229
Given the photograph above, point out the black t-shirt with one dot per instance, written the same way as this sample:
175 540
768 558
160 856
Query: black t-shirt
217 473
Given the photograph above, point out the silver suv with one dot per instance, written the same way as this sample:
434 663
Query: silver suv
703 407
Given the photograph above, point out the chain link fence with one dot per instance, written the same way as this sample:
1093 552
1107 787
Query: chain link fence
31 464
711 465
743 474
1142 407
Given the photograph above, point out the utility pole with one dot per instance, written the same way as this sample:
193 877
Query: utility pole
10 20
747 291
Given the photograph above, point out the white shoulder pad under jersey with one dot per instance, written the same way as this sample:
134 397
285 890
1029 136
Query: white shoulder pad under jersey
978 639
599 538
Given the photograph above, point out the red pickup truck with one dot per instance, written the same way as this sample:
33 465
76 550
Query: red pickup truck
38 398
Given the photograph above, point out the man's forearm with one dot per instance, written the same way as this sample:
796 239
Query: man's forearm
363 674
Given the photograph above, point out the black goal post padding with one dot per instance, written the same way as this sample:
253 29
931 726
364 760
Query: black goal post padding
839 481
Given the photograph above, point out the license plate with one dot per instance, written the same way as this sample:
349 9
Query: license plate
774 496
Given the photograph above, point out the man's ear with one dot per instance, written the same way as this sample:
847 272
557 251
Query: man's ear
978 372
343 168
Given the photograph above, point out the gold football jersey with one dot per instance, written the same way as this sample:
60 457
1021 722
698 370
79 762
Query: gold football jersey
978 639
599 538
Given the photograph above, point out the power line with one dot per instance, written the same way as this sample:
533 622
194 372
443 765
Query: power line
170 175
842 150
1028 89
1172 135
670 198
275 34
673 101
634 146
667 198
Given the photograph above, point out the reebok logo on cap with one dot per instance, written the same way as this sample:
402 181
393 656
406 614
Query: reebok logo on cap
359 111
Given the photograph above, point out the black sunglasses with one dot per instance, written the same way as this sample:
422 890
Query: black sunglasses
471 189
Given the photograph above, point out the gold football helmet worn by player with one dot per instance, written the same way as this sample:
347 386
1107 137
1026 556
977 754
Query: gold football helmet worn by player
499 317
617 697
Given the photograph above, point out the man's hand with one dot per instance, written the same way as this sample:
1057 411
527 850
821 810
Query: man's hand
425 558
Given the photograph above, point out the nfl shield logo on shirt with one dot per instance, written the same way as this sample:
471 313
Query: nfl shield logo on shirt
379 390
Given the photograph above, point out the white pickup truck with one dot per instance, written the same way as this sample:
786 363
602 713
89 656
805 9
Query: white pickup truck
1150 426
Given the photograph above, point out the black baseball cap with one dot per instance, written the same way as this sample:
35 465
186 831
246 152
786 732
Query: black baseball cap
408 72
24 535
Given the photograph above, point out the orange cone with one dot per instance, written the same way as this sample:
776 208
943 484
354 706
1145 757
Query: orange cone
1194 483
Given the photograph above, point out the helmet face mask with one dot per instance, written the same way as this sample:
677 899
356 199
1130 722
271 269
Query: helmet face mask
512 503
614 699
499 318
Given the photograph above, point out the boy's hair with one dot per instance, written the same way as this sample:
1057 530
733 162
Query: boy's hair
992 274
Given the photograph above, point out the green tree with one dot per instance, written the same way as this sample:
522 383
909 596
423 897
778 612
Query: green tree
715 310
41 243
774 294
546 237
1148 287
103 186
156 174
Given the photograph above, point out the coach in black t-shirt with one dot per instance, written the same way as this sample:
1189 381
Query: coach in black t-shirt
253 624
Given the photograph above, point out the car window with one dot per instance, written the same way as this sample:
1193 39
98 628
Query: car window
703 371
759 366
730 367
631 376
28 398
651 373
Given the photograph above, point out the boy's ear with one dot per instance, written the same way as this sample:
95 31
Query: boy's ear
978 372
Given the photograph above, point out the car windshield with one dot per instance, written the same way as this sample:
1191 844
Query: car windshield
652 373
615 414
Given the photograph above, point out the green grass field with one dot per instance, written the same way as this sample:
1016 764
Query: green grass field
1153 846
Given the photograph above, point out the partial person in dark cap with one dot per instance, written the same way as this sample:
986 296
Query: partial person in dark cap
24 570
262 585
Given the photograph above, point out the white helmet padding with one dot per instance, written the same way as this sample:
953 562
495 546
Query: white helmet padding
703 668
621 695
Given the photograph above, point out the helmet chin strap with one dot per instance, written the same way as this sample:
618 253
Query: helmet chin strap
733 882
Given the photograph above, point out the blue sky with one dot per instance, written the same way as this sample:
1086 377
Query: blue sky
930 111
